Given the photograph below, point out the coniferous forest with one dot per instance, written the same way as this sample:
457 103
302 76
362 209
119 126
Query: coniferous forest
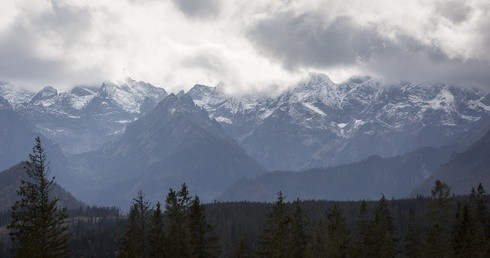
442 225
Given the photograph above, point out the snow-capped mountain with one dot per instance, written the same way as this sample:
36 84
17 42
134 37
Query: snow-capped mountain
320 123
176 142
14 95
84 118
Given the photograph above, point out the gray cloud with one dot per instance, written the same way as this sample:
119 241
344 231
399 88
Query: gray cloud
23 59
249 45
202 9
456 11
305 40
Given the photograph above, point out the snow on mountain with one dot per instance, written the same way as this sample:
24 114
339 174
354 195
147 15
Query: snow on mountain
321 123
14 95
83 118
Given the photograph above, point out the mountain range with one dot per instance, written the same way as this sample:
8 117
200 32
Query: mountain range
320 123
356 139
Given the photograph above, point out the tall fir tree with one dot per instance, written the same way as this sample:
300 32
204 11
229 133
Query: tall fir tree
298 235
274 240
338 235
317 247
203 242
413 238
438 241
479 202
38 227
365 241
383 231
177 238
467 238
156 235
135 240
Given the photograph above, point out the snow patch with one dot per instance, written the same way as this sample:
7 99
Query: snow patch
314 109
221 119
341 125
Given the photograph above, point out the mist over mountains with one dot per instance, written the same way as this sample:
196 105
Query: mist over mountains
352 140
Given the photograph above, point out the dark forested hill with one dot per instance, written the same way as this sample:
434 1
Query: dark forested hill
464 170
395 177
10 181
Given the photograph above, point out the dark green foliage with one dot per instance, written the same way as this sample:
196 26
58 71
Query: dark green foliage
244 249
479 202
413 239
135 241
202 241
338 235
383 231
467 237
438 241
156 238
181 231
38 227
275 240
317 246
365 242
298 235
177 238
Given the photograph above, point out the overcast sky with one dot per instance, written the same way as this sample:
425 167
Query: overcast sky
248 45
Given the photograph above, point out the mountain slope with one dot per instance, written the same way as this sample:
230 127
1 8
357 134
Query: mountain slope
10 182
321 123
464 170
176 142
368 179
17 137
84 118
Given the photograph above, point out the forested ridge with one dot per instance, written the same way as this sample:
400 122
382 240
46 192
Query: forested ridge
243 229
180 225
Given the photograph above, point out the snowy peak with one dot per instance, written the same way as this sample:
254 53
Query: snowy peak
330 123
45 97
15 95
130 95
4 104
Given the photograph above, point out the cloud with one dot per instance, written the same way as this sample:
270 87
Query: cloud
255 46
202 9
447 44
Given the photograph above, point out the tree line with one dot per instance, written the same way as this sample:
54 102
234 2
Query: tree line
442 225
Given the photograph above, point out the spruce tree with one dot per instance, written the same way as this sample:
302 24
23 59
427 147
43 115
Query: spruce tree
38 227
479 203
365 242
274 240
135 241
203 242
244 249
338 235
467 239
298 235
413 240
156 234
383 231
317 246
438 242
177 239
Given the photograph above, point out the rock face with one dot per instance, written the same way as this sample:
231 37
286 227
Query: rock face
17 138
321 123
84 118
176 142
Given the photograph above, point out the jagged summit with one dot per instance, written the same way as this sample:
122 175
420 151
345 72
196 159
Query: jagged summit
4 104
325 123
176 142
